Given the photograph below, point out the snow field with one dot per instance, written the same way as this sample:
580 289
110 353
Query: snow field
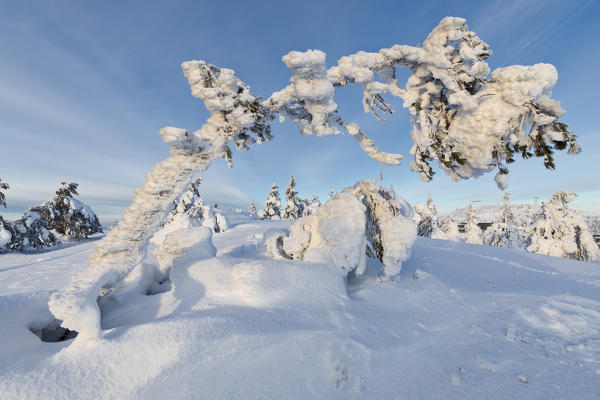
460 321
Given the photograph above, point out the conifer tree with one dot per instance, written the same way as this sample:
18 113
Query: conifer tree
427 219
560 232
312 206
191 210
503 232
252 209
3 186
68 216
272 205
294 206
447 229
331 193
472 230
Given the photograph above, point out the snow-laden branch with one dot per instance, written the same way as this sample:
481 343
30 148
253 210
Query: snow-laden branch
469 122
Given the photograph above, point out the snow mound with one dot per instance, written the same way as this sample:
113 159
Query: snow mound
362 220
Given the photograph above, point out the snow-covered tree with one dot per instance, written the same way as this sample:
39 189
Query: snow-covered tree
446 229
362 220
68 216
28 233
272 205
560 232
192 207
252 209
503 232
294 206
3 186
427 219
331 193
472 229
311 206
471 122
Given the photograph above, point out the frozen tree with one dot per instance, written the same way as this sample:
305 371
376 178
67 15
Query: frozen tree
471 122
427 219
252 209
68 216
28 233
331 193
363 220
311 206
503 232
272 205
294 206
560 232
191 206
446 229
472 229
3 186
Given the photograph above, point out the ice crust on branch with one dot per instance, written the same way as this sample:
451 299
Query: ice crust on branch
469 122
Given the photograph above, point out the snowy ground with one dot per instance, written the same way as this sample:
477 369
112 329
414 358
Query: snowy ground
462 322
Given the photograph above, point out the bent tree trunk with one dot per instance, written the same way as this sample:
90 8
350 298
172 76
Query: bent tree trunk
123 248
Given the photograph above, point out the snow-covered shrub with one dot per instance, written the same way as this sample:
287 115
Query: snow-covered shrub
272 208
447 229
68 216
560 232
3 186
294 206
503 232
28 233
426 218
472 230
361 220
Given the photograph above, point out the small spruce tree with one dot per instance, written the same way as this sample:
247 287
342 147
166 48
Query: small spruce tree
503 232
252 209
3 186
472 229
560 232
294 206
68 216
447 229
426 218
272 205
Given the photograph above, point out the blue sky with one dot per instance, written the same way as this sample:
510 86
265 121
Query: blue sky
86 86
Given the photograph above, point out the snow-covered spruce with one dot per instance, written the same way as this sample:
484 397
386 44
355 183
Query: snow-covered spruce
311 206
68 216
560 232
294 206
190 212
473 232
192 205
361 220
272 208
3 186
28 233
503 232
468 122
446 229
252 209
426 218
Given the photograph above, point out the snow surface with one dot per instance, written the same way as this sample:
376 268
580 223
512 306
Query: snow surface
460 322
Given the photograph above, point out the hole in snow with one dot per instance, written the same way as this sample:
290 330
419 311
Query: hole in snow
159 287
53 332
